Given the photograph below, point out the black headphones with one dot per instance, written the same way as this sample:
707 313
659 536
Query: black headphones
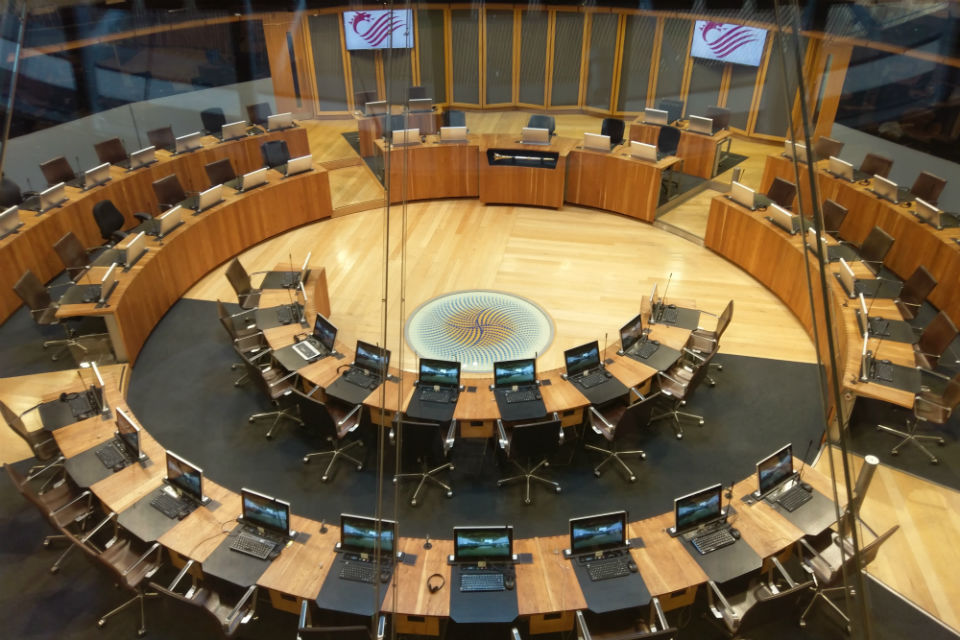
432 585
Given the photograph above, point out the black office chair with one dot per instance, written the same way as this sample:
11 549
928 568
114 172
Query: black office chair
427 445
239 279
334 423
416 93
782 192
244 334
674 109
274 153
111 151
720 117
539 121
110 221
220 171
169 191
928 187
46 453
43 310
614 128
57 170
213 120
454 118
833 216
934 341
614 421
258 113
668 140
704 341
533 443
9 193
763 599
678 384
162 138
914 292
276 384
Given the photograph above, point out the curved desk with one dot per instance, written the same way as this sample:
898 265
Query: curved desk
700 153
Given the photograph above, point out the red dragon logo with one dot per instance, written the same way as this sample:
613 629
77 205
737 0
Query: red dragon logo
374 34
729 37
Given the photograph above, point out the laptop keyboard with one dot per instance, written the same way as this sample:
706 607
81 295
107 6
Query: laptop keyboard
713 540
253 545
80 406
607 568
668 314
170 506
306 350
521 395
111 456
359 572
443 395
794 498
285 315
879 327
481 581
592 380
647 349
883 370
361 379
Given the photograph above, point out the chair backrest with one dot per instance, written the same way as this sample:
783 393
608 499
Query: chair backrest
111 151
420 439
108 218
72 254
868 553
674 108
32 292
43 446
213 120
917 287
720 116
833 215
614 128
825 147
9 192
782 192
876 245
162 138
535 438
540 121
417 93
876 164
239 279
315 414
454 118
57 170
639 413
937 405
936 337
220 171
360 98
928 187
724 320
668 140
169 191
226 320
274 153
258 113
392 123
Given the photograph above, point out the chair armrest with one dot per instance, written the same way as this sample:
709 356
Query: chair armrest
381 627
110 516
714 592
583 633
451 436
54 464
283 379
155 548
502 437
557 418
85 494
515 634
670 378
658 612
142 216
918 399
345 418
694 354
636 392
118 235
183 572
250 592
594 414
915 305
813 553
304 621
260 355
783 572
26 411
243 312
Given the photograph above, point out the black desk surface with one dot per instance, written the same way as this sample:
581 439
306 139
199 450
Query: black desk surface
290 359
686 319
269 318
613 594
517 411
899 331
877 288
610 389
904 378
56 414
232 566
813 518
481 606
727 563
441 412
144 521
661 360
86 470
350 596
344 390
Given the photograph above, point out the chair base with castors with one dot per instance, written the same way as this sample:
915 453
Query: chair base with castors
824 594
139 599
423 477
277 417
910 436
710 381
675 416
528 475
613 455
335 453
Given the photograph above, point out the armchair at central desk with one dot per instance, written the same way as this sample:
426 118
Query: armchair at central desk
613 421
43 310
307 629
274 153
244 334
934 404
332 422
427 444
169 191
678 384
277 385
934 341
227 605
247 296
874 248
532 442
704 341
620 627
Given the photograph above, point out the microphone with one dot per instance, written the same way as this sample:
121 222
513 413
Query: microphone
728 494
77 158
604 352
427 544
660 303
873 357
323 525
803 464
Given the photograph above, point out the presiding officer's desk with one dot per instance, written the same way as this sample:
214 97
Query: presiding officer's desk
371 128
132 191
700 152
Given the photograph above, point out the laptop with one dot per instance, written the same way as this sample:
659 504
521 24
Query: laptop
143 158
297 165
840 168
596 142
644 151
634 342
188 143
743 195
183 489
777 482
516 380
885 189
133 249
264 526
204 200
319 344
233 131
453 134
248 181
279 121
124 448
655 116
420 104
370 364
484 556
534 135
96 176
366 547
599 543
166 222
801 151
401 137
700 519
9 221
584 367
375 108
438 381
700 124
789 222
934 216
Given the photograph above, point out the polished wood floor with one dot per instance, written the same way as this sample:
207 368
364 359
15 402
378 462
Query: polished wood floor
589 270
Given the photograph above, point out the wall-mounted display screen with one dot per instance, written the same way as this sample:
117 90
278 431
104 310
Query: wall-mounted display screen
728 42
382 29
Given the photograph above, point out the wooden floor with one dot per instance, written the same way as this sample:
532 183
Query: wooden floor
589 270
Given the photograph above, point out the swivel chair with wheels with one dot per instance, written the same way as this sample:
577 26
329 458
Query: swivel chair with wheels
162 138
213 120
934 404
626 628
720 117
914 292
674 108
668 140
706 341
244 334
416 93
44 312
934 341
428 445
73 255
110 221
613 422
258 113
874 249
335 424
111 151
220 171
928 187
45 451
532 443
276 384
539 121
226 605
454 118
782 192
239 279
678 384
875 164
614 128
274 153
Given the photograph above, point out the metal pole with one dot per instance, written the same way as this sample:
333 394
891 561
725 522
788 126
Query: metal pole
14 74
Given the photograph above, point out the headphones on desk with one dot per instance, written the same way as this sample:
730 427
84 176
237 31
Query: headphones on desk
432 585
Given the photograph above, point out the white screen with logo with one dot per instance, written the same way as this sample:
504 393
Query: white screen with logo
728 42
382 29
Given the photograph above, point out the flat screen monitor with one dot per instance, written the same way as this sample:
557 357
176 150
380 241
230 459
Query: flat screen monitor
727 42
375 108
698 508
184 476
210 197
134 248
784 219
512 373
378 29
701 124
188 142
143 157
371 358
840 168
401 137
233 130
886 189
656 116
420 104
742 194
583 358
601 532
108 282
359 534
535 135
53 196
596 141
483 544
9 221
444 373
324 332
631 332
653 299
453 134
817 243
129 432
260 510
299 165
279 121
774 469
170 219
253 179
795 151
96 388
927 212
96 176
643 151
865 357
848 279
863 314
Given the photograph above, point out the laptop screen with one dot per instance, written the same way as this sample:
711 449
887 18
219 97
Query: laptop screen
371 357
185 476
742 194
263 511
840 167
324 332
774 469
439 372
358 534
514 372
631 332
698 508
655 116
129 432
483 544
135 246
582 358
598 533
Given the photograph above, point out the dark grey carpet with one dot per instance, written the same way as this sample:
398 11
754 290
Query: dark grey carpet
21 347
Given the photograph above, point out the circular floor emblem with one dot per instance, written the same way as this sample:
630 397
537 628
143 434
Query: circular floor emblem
478 328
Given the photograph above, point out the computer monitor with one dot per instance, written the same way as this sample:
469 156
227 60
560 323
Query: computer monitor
863 314
358 534
53 197
400 137
583 358
234 131
535 135
129 432
742 194
375 108
185 477
513 373
96 388
279 121
789 222
816 242
324 332
420 104
848 279
262 511
371 358
133 249
643 151
96 176
801 153
483 544
656 116
444 373
453 134
169 220
108 283
253 179
840 168
143 157
299 165
9 221
631 332
927 212
698 508
884 188
865 358
188 142
596 141
653 300
774 469
210 197
700 124
598 533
